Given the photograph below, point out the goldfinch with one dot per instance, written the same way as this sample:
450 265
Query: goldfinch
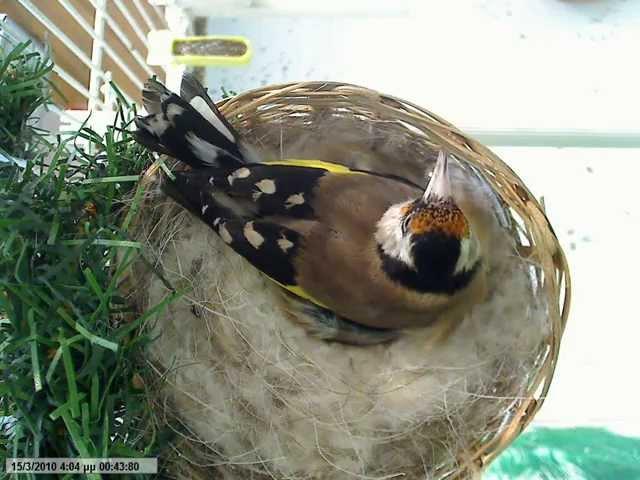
362 253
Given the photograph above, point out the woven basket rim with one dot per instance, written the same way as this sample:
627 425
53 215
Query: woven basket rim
544 247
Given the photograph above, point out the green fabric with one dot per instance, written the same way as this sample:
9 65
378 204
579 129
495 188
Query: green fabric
569 454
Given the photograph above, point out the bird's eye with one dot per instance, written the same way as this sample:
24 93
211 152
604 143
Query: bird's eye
405 224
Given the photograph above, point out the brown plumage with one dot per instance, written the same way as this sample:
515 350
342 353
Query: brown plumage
347 214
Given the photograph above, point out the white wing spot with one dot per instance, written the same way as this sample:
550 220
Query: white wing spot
157 125
204 209
253 237
216 221
202 149
285 244
205 110
224 234
267 186
243 172
173 111
293 200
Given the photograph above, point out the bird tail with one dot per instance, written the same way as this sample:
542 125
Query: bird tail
188 126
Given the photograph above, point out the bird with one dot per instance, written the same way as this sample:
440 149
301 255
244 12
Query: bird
360 255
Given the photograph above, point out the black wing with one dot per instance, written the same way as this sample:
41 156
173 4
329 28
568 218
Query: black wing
188 127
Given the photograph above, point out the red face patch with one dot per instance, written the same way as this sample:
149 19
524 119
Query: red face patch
443 216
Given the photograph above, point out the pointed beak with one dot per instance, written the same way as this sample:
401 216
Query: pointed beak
439 185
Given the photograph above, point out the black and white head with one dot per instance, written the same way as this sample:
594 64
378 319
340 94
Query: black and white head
427 244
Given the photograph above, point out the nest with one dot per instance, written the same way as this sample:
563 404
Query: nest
251 395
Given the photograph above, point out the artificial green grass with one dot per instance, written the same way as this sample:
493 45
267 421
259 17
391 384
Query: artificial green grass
71 370
23 88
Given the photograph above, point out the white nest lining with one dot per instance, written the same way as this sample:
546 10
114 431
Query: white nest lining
268 401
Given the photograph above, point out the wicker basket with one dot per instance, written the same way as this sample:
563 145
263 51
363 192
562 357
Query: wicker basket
394 125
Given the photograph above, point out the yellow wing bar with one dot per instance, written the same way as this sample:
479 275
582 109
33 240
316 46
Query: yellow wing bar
299 292
310 163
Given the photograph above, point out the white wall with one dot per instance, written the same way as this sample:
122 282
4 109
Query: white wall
501 64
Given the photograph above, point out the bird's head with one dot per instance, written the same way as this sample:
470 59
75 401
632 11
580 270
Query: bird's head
427 243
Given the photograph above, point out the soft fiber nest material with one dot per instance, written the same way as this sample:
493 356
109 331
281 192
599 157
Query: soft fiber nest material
257 397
